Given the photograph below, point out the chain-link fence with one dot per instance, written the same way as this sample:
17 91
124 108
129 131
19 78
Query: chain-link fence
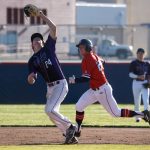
112 42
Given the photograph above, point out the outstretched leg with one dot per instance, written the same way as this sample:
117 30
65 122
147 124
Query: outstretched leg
109 103
131 113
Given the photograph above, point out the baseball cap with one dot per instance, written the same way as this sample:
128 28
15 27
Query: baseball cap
34 35
140 50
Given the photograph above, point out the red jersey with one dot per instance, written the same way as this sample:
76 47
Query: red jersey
92 67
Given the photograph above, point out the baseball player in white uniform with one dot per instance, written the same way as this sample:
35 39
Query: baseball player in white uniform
139 71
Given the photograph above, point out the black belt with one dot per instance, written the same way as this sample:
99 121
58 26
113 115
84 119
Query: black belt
53 83
95 89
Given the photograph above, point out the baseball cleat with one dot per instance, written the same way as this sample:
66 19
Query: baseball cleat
74 140
70 134
146 116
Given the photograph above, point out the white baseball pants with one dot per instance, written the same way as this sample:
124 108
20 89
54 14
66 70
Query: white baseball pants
138 91
104 96
55 96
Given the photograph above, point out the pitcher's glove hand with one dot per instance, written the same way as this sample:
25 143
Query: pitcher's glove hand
146 85
31 10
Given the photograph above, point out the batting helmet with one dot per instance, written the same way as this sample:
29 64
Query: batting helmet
87 43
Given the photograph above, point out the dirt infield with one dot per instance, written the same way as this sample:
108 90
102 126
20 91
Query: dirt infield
51 135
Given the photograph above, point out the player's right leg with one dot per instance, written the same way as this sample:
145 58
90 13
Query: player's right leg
85 100
136 88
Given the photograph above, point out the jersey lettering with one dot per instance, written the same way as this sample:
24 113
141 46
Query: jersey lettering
47 63
99 65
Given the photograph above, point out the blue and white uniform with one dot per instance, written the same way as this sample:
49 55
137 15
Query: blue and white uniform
140 68
46 63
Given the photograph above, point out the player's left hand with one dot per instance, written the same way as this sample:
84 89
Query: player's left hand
146 85
72 80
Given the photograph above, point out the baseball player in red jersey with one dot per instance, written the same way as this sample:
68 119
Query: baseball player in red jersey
100 90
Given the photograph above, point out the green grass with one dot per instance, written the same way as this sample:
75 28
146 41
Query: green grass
77 147
34 115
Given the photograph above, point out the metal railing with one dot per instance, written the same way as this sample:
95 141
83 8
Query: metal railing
15 41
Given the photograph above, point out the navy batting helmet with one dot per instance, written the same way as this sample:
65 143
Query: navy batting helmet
88 44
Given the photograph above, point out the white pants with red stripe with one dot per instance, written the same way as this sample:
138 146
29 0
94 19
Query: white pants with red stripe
104 96
55 96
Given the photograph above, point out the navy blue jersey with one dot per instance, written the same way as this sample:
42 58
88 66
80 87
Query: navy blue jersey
140 67
46 63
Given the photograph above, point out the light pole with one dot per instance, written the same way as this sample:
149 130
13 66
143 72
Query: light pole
132 38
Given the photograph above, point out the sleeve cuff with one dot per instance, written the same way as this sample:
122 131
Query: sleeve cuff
86 75
132 75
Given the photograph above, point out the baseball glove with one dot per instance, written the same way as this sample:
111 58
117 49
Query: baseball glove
31 10
146 85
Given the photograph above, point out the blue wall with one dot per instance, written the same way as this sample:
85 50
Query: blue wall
14 88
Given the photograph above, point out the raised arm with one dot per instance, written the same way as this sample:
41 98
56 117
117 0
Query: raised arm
52 26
